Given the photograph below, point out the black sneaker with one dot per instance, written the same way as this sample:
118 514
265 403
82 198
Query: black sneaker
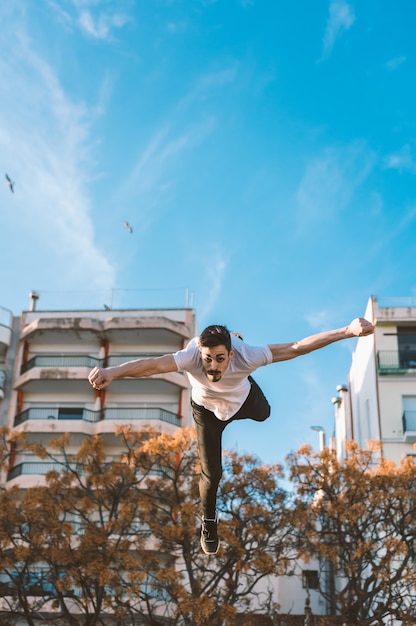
209 536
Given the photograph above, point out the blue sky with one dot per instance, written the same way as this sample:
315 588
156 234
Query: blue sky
263 152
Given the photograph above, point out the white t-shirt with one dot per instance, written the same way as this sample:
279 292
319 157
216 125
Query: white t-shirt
225 397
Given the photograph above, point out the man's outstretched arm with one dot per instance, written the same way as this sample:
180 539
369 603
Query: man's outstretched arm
359 327
101 377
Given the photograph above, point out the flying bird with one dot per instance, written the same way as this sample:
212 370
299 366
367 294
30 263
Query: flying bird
127 225
10 183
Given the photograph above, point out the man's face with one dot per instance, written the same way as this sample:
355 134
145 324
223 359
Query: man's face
215 361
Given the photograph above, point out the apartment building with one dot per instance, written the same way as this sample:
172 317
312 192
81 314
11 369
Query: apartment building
46 359
379 402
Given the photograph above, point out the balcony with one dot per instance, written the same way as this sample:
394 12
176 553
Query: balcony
34 468
396 362
117 359
69 372
395 310
79 360
142 413
409 426
168 327
41 468
60 360
64 369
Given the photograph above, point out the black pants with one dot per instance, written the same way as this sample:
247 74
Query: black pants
209 431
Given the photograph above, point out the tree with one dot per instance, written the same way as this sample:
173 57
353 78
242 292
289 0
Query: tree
253 528
357 517
67 541
117 536
13 575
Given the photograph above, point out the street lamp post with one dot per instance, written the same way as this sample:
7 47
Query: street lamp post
330 575
322 436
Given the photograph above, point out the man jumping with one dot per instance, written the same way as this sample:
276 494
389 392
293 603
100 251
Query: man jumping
219 365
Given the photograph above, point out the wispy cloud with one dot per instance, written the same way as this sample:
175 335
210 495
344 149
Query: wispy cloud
341 18
184 128
178 27
101 25
402 160
320 320
393 64
329 182
47 137
212 280
95 18
152 175
208 84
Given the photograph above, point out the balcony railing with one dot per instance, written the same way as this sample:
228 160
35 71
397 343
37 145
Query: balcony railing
116 359
395 361
41 468
80 360
399 302
409 421
34 468
87 415
60 360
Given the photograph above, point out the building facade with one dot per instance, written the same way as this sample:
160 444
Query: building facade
380 400
46 357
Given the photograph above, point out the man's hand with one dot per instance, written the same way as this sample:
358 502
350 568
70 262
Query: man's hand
99 378
361 327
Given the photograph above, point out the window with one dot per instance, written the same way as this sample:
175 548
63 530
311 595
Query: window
70 414
409 413
406 337
310 579
35 582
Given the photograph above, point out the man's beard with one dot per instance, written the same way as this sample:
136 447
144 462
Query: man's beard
214 376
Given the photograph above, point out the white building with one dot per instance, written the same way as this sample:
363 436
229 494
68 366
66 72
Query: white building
380 401
53 354
45 359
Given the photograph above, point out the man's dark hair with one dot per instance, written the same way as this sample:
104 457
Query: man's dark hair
215 335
